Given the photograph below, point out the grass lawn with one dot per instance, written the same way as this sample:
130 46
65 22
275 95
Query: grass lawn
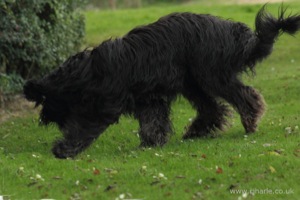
265 165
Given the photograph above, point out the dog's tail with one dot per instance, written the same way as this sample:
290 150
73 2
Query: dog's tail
268 28
33 91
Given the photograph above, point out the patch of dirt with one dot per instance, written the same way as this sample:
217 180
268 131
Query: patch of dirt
15 106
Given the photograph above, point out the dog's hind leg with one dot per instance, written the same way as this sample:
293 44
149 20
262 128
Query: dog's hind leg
78 135
248 102
211 115
155 125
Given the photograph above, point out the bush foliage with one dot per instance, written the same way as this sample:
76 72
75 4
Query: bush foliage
10 84
37 35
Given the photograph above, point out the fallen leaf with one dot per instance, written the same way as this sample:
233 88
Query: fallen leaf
207 187
111 171
219 170
200 181
110 187
273 153
96 172
267 145
288 130
233 186
272 169
198 195
280 151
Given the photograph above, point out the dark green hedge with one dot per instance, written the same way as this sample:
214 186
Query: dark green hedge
38 35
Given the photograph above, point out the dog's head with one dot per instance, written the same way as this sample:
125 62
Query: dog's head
33 91
59 91
52 110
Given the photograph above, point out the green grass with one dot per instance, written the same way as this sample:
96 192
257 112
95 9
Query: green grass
114 165
105 24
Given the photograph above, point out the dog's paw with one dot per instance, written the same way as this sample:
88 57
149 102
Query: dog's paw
250 124
63 149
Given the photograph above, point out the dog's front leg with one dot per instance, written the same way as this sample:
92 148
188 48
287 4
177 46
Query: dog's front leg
78 135
155 125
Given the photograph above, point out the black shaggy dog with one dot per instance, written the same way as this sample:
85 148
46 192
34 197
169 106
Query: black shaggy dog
198 56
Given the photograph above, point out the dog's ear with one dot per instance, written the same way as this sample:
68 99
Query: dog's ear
33 91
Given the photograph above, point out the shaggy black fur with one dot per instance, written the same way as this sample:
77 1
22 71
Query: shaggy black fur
198 56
